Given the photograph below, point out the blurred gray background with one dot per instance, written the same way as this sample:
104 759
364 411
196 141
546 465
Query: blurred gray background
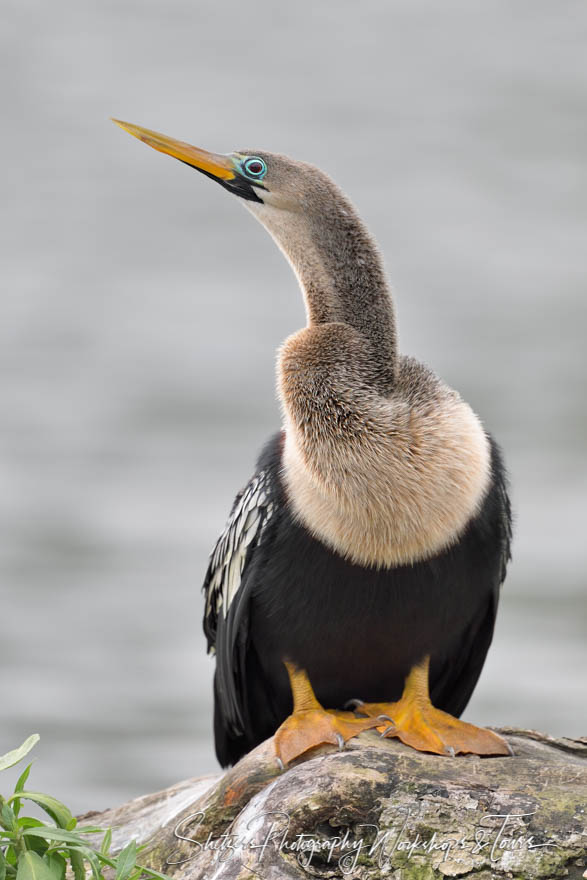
141 308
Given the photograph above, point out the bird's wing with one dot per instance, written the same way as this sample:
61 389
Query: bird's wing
505 507
453 679
227 587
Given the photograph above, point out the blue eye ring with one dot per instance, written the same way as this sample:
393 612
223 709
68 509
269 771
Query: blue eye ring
255 167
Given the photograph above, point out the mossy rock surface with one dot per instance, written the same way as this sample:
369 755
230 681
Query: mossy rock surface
376 809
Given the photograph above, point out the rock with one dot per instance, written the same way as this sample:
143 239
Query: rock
375 809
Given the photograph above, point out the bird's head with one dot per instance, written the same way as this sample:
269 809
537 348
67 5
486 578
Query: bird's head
317 228
274 187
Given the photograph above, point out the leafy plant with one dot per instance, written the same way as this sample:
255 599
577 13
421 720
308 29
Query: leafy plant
35 850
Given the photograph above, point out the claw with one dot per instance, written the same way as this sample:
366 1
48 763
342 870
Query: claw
353 704
449 751
392 725
280 763
340 741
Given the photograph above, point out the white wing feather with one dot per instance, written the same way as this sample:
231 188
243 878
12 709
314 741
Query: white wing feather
246 524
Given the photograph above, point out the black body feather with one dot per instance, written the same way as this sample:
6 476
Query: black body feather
356 631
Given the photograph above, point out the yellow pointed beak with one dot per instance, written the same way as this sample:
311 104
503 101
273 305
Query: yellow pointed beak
210 163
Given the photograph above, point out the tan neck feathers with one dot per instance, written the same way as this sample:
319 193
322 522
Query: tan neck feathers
339 269
384 481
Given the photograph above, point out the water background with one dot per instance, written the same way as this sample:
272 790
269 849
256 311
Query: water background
141 307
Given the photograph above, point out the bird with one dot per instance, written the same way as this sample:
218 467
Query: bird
356 583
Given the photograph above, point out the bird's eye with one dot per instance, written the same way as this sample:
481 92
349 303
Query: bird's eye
255 167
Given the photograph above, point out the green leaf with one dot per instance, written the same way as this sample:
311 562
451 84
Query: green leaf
54 808
36 844
16 755
57 865
7 817
105 848
20 785
29 822
92 858
112 862
106 860
88 829
32 867
23 777
49 833
151 873
77 863
2 866
89 855
126 861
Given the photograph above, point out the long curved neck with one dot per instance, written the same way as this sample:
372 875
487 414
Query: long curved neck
341 275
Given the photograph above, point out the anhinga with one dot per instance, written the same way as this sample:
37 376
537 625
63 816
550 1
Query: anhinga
365 556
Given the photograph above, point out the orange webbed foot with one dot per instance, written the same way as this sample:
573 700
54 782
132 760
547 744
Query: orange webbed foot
308 728
310 725
417 723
